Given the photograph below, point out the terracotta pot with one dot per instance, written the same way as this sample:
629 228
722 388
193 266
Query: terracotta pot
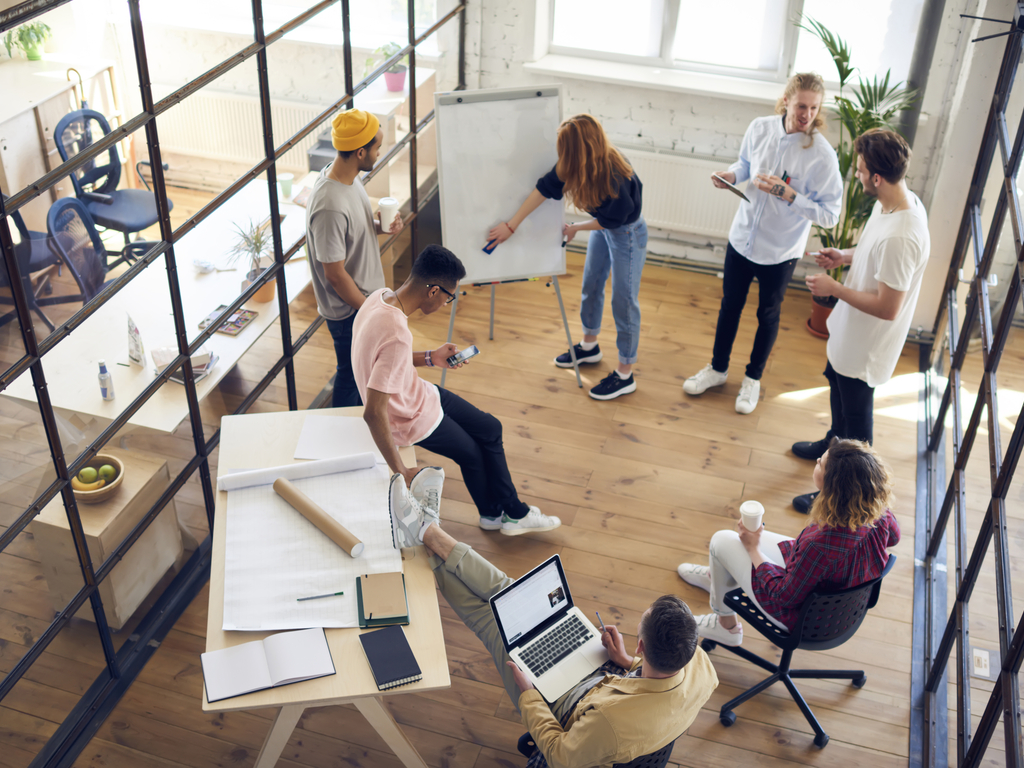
265 293
395 80
816 322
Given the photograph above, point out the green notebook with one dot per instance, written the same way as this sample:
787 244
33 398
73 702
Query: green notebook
382 600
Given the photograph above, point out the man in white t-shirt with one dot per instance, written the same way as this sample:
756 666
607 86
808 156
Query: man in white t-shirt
869 325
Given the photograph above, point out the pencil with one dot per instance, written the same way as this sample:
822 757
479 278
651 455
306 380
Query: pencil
600 621
317 597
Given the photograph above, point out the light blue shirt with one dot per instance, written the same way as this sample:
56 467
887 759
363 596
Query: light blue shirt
768 230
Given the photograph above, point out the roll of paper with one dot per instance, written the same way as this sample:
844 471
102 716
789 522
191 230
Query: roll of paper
239 480
312 511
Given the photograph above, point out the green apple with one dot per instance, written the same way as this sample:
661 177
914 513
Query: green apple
88 475
107 472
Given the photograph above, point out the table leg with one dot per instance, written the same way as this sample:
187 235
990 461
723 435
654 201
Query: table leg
377 714
284 723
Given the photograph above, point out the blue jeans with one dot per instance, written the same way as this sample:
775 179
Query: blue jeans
621 252
345 391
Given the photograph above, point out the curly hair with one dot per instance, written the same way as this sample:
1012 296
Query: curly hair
856 489
805 81
669 633
588 163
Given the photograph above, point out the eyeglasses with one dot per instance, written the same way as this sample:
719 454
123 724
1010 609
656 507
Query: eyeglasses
451 296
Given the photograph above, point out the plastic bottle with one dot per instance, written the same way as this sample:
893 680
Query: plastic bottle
106 382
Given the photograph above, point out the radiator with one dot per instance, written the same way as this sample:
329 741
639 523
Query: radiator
678 195
227 127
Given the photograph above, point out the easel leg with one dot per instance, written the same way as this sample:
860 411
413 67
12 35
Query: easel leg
568 334
383 723
451 330
280 732
491 337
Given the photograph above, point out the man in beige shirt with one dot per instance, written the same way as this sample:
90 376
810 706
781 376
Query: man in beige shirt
606 718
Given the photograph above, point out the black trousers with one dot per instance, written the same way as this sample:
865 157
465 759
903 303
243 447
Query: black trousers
472 439
345 391
853 405
772 281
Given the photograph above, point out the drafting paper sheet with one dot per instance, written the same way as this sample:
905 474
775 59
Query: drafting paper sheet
275 556
234 481
324 437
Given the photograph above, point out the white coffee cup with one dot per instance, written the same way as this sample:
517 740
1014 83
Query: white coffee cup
285 180
751 513
388 212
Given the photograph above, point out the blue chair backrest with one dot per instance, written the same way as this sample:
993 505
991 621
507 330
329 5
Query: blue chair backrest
75 133
73 235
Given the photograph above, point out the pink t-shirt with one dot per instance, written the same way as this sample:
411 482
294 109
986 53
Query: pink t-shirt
382 360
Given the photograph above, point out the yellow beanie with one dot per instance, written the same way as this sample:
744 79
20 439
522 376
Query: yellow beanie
353 129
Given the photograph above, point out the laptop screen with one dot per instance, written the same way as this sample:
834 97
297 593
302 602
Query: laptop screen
525 605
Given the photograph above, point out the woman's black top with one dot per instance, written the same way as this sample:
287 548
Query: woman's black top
613 212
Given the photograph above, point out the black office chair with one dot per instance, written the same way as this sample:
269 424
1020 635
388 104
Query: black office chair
123 210
658 759
33 254
827 620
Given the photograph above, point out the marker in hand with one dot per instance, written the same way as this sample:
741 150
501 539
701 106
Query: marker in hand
601 622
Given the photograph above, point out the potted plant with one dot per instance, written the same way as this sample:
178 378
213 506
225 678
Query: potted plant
30 37
254 242
395 76
874 104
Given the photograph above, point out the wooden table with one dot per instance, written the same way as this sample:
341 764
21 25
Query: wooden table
252 441
72 366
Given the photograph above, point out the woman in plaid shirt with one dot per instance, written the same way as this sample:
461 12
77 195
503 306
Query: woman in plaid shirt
845 545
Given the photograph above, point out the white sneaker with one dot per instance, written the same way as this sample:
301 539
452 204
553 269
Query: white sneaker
746 400
490 523
409 519
696 575
704 378
534 522
708 628
426 487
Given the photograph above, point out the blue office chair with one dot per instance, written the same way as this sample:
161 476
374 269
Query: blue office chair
123 210
33 253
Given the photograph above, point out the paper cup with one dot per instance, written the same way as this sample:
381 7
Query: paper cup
388 212
751 513
285 180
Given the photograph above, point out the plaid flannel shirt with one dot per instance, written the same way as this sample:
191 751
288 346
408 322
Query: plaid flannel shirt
836 557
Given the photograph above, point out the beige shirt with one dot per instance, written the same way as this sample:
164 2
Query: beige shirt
621 718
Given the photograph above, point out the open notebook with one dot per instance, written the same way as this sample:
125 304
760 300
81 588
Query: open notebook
287 657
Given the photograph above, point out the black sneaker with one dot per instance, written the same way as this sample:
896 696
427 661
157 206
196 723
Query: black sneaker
564 360
613 386
812 451
802 503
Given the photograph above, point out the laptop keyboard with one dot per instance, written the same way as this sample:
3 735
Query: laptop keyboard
553 646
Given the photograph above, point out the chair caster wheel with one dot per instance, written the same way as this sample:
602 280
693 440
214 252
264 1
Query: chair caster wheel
708 645
729 718
860 681
821 740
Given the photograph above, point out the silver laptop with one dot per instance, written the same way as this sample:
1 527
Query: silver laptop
550 639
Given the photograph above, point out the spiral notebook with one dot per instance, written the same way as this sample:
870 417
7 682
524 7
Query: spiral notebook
391 659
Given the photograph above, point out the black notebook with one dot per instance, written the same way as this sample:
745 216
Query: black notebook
390 657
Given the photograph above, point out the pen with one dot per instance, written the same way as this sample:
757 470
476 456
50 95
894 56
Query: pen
785 176
317 597
600 621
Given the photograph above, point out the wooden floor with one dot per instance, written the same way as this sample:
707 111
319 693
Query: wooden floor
640 483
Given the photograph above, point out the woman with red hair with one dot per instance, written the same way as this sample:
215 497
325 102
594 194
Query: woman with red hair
596 178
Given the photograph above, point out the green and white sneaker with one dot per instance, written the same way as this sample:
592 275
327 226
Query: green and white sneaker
426 487
534 522
409 519
490 523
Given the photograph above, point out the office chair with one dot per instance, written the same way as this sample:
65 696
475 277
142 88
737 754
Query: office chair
123 210
33 253
827 620
74 239
658 759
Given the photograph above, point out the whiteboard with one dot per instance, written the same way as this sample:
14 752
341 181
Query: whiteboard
492 146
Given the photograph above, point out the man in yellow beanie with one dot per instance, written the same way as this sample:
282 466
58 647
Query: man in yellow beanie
341 239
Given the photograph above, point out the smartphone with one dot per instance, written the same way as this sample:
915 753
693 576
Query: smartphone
463 356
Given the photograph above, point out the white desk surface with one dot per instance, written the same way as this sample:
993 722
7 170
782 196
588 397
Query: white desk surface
27 84
268 439
72 367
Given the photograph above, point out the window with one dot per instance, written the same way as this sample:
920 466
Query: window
750 38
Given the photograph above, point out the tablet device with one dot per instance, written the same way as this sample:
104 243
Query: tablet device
732 187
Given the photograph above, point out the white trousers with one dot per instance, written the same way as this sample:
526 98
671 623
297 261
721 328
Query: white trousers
731 567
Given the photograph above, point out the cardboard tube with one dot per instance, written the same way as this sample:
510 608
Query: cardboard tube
310 510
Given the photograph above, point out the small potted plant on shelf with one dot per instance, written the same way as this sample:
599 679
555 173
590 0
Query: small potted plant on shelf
875 104
254 242
395 76
29 37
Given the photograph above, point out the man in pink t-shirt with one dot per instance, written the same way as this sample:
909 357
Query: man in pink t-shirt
403 409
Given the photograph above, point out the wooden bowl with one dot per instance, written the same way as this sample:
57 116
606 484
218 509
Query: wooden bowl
108 490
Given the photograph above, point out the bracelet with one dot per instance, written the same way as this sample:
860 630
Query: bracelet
510 228
426 357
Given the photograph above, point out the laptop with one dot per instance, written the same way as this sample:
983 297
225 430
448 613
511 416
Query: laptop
551 640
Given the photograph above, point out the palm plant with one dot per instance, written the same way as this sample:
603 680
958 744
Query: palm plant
254 241
874 104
